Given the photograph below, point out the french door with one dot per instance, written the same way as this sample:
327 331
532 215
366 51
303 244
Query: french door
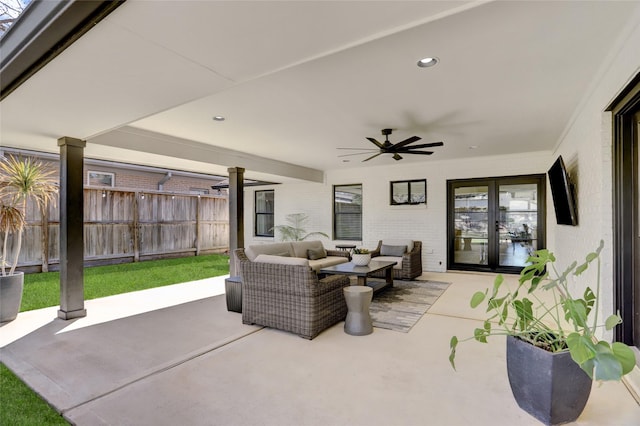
626 212
495 223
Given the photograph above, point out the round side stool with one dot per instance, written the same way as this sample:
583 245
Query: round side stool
358 321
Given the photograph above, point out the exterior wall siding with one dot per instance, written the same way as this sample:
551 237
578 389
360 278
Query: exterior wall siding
148 181
142 180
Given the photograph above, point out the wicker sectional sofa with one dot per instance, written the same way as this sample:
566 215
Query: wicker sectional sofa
313 251
284 291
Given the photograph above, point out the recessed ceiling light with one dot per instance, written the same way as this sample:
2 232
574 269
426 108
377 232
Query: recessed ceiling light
473 147
427 62
218 118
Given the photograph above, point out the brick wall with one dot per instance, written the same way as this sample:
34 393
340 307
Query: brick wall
142 180
380 220
587 143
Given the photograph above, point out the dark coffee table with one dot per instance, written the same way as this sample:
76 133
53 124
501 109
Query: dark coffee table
362 272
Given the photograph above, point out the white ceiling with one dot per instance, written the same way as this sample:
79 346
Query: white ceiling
297 80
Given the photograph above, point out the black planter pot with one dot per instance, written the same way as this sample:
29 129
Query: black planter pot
10 296
549 386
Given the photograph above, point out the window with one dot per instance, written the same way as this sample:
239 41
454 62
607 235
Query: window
409 192
199 191
264 213
101 179
347 212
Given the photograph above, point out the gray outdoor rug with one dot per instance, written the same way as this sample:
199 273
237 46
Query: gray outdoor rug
399 308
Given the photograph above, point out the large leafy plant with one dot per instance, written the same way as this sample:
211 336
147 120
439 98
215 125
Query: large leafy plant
567 322
295 230
21 179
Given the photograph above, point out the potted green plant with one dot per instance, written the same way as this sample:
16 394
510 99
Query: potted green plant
361 256
553 349
20 180
295 230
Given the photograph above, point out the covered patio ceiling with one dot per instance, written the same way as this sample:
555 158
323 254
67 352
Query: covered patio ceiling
295 81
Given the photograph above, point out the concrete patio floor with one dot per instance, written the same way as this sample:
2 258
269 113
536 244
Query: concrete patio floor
175 355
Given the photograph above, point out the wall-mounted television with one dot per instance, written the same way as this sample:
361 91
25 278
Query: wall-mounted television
562 192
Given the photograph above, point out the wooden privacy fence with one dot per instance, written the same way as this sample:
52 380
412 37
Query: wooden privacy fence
125 226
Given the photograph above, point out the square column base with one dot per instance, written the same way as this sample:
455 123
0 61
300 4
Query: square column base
72 314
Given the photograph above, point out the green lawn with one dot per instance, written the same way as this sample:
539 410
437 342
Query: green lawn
43 290
20 406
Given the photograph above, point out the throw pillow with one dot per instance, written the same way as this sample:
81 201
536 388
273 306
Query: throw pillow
315 254
395 251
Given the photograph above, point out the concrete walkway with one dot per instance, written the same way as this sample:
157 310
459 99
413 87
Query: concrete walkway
175 355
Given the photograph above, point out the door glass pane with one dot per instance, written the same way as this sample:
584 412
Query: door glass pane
471 224
517 223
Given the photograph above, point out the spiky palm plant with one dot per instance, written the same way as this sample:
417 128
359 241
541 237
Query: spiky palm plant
295 230
21 179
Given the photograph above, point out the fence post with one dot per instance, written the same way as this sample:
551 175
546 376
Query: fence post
198 225
135 232
45 237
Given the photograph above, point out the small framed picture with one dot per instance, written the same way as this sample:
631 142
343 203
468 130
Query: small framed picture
409 192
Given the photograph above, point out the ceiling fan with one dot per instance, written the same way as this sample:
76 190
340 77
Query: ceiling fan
396 149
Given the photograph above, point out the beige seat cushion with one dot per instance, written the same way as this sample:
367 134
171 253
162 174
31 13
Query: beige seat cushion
390 259
281 260
276 249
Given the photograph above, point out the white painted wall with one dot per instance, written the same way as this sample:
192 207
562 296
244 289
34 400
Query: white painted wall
586 147
380 219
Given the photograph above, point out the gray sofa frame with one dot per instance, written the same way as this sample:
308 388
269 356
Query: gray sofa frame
290 297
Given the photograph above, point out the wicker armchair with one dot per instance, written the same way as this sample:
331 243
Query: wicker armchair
290 297
411 262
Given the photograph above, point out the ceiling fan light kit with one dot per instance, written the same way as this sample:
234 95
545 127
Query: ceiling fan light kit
402 147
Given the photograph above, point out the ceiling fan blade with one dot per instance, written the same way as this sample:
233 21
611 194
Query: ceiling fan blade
373 156
416 152
355 153
407 141
378 144
361 149
426 145
397 157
